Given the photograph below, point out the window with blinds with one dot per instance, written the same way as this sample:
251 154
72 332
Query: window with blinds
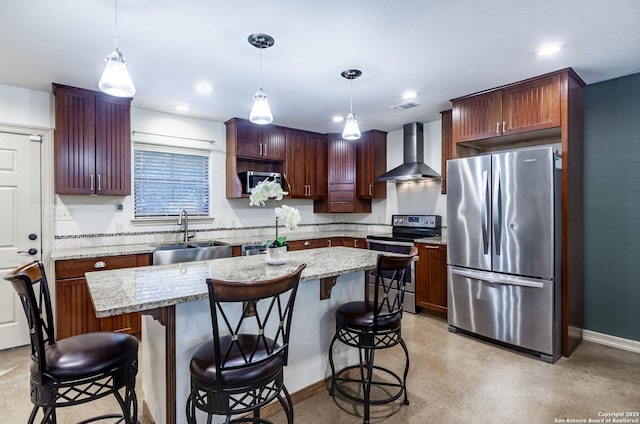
169 179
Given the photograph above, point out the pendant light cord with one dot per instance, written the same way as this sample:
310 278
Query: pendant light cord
351 97
260 67
116 23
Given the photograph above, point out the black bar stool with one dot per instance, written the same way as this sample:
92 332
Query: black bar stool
369 326
241 369
77 369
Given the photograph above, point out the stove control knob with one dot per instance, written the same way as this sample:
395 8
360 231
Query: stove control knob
401 220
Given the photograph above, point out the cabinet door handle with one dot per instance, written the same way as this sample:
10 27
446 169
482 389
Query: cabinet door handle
260 147
498 128
370 189
99 265
99 182
504 127
432 247
264 150
92 182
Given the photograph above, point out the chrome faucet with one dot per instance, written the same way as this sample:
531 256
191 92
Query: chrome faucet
187 236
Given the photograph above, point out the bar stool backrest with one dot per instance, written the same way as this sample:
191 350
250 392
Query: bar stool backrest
243 310
391 275
37 309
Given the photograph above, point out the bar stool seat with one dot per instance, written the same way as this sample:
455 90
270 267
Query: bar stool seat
203 362
87 354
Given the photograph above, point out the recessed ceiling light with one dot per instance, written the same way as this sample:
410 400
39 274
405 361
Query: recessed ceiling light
182 108
203 88
337 118
550 49
409 95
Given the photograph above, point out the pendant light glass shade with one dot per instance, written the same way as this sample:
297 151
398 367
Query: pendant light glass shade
260 112
351 130
115 78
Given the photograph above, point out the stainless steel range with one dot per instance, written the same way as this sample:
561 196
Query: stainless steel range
405 230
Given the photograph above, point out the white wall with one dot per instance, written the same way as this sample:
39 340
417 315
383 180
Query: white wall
27 108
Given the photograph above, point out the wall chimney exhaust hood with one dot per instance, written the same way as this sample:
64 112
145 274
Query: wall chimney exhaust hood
413 168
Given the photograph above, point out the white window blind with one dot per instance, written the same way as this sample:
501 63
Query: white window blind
170 179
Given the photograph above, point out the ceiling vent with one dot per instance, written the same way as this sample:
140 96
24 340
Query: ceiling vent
406 105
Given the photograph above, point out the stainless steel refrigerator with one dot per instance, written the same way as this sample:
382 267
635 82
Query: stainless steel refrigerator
503 248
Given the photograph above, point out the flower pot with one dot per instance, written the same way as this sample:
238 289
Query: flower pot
276 255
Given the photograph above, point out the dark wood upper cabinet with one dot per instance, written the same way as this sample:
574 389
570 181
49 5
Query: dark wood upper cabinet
341 169
522 107
252 147
92 142
263 142
371 161
306 164
477 117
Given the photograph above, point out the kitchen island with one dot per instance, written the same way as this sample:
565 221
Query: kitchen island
176 317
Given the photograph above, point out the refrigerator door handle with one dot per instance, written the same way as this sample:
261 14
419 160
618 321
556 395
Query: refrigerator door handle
485 213
497 222
493 278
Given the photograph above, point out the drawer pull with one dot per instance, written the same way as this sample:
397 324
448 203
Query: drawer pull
99 265
307 243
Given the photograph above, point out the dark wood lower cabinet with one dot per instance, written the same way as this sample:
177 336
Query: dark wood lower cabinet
308 244
74 308
431 278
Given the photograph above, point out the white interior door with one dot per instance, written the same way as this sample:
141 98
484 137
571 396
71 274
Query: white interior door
20 226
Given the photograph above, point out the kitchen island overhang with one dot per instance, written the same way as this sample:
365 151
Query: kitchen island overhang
176 317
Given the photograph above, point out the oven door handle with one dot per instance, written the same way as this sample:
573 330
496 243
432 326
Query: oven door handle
390 243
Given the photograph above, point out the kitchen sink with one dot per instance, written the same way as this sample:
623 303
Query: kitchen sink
196 251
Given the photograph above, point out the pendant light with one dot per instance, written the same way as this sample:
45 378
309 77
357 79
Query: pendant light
351 130
115 78
260 112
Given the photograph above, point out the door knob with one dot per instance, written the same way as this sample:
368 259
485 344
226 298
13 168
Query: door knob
32 251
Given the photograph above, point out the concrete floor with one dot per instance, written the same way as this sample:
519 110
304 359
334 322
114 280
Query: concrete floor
453 378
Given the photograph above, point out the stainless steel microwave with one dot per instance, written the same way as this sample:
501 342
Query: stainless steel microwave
250 179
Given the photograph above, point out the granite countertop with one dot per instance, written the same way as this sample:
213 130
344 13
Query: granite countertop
134 249
137 289
432 240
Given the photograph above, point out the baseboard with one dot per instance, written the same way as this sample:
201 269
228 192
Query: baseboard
274 407
605 339
146 414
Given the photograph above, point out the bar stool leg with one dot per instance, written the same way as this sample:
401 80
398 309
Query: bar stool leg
333 368
406 371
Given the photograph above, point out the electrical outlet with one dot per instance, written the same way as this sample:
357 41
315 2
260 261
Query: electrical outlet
64 214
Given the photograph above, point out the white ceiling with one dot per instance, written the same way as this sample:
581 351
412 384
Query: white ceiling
441 48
